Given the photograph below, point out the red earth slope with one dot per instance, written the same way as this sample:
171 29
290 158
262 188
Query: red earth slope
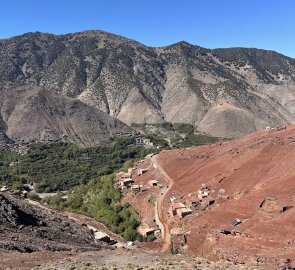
257 173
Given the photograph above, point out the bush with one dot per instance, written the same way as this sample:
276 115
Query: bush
33 196
100 200
17 185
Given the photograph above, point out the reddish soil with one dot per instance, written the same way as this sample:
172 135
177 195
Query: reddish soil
255 168
145 202
26 261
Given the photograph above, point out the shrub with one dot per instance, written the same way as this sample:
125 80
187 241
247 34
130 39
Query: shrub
33 196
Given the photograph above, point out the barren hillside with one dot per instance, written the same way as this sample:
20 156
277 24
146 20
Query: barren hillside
250 180
224 92
32 114
28 228
230 200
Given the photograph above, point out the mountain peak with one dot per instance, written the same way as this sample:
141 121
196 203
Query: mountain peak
224 92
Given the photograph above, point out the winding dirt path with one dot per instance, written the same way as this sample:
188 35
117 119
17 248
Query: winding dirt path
159 208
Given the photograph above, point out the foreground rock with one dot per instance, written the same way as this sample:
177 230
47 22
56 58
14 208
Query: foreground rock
27 228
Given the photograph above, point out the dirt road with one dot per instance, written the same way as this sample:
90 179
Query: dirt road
159 211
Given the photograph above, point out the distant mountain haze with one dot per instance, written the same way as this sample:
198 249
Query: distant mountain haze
224 92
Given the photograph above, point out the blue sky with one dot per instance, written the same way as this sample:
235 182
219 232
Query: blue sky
265 24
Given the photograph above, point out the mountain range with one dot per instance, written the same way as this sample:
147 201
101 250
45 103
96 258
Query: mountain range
111 79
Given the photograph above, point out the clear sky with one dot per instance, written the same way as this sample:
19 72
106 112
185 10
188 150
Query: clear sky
265 24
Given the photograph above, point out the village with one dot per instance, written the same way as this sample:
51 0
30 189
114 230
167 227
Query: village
167 213
171 214
148 190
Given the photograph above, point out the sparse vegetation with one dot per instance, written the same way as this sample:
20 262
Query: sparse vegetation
33 196
178 135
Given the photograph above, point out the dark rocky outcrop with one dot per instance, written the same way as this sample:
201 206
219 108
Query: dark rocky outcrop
25 227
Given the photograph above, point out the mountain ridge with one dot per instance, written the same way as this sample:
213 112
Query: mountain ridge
142 43
224 92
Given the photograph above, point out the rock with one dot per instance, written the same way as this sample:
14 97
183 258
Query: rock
40 229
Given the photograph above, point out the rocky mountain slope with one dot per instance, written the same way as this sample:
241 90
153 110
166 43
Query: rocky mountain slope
28 228
225 92
33 114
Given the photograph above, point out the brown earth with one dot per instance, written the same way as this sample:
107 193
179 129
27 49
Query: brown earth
257 173
137 259
31 114
224 92
26 228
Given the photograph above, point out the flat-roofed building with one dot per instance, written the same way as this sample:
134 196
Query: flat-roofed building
101 236
153 183
182 212
135 188
126 182
141 171
174 207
